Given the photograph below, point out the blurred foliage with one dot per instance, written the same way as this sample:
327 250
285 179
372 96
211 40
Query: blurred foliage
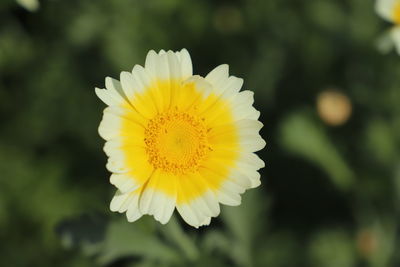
301 135
330 195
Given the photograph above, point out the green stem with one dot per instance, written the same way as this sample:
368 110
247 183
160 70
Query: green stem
173 231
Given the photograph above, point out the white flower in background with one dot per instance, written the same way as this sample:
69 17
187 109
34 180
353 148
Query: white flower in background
178 140
390 11
31 5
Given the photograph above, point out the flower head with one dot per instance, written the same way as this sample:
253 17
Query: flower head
390 11
178 140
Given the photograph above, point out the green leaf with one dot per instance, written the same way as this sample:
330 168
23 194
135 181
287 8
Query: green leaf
301 135
125 239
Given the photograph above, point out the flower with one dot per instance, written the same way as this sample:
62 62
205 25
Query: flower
174 139
390 11
30 5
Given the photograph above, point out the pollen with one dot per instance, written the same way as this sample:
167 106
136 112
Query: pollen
176 141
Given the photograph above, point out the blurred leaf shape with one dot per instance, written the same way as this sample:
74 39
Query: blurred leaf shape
381 140
384 43
10 37
84 231
367 242
376 239
175 234
279 249
109 241
245 223
332 248
228 19
216 240
327 14
397 186
124 239
300 134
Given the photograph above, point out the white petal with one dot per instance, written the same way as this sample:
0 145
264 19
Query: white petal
141 78
165 212
250 161
116 164
113 95
151 63
133 213
206 222
247 127
231 87
108 98
255 182
247 167
224 85
113 147
206 204
202 86
227 196
155 202
253 175
385 8
196 211
395 34
242 182
174 66
190 215
218 76
158 204
186 64
128 84
124 182
121 201
166 65
162 67
250 140
229 191
115 88
256 143
111 125
242 106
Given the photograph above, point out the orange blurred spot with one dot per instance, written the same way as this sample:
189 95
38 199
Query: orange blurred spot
228 19
367 242
333 107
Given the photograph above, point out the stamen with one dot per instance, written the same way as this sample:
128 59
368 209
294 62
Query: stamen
176 141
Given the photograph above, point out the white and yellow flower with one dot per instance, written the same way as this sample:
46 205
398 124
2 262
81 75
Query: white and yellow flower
175 139
30 5
390 11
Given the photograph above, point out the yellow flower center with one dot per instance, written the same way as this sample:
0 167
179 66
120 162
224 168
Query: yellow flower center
176 141
396 16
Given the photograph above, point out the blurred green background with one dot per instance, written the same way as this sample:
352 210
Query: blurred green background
329 100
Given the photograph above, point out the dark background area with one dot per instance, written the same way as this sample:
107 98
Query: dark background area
329 100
